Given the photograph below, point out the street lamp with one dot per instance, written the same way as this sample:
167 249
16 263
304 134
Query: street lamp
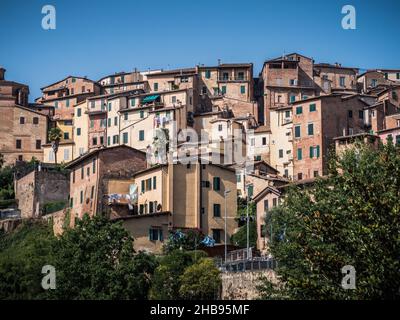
226 248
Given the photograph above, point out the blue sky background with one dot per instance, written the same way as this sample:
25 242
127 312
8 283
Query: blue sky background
96 38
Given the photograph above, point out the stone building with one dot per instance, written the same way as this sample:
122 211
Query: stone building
90 171
178 196
316 121
23 130
41 189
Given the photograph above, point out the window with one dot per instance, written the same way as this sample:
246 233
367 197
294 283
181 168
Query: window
38 144
315 173
240 76
205 184
216 235
155 86
204 90
207 74
225 75
217 210
313 107
342 81
92 104
141 113
310 129
125 137
223 89
287 114
242 89
220 127
386 75
274 202
56 104
82 173
67 103
72 90
297 131
398 75
21 120
115 121
66 154
94 141
66 135
88 171
299 176
155 234
264 141
115 139
216 183
361 114
265 205
314 152
151 207
108 140
18 144
350 113
141 135
173 99
286 174
73 80
143 186
299 110
102 140
280 153
92 193
154 182
20 157
81 197
83 89
35 120
238 178
79 112
292 98
109 122
148 184
373 82
92 123
299 154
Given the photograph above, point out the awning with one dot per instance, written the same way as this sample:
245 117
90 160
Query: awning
150 98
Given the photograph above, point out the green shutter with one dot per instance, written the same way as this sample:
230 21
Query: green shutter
299 154
154 182
142 185
242 89
317 151
216 183
223 89
311 152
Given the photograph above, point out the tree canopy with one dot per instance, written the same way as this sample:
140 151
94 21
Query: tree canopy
352 217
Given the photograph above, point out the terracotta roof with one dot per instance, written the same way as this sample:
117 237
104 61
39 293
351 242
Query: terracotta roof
96 151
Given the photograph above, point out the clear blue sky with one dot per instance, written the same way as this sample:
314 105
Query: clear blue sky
96 38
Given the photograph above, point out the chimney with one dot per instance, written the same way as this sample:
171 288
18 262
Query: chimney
2 72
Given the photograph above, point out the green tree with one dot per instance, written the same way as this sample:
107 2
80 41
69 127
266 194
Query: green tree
1 160
200 281
240 237
352 217
166 279
55 135
23 253
96 260
190 240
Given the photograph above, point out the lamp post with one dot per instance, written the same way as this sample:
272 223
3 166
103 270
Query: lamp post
226 248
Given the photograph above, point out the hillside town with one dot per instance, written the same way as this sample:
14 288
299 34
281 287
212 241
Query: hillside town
167 150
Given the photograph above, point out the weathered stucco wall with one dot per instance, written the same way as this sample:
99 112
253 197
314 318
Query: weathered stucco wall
243 285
